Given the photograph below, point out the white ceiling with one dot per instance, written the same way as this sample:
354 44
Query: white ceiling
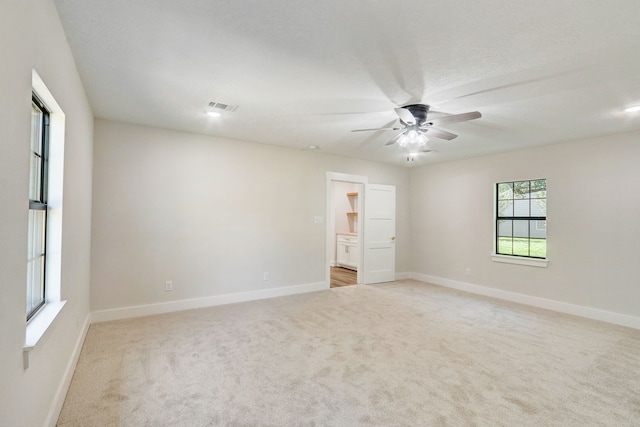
308 72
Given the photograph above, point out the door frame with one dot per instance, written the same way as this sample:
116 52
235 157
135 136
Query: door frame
330 222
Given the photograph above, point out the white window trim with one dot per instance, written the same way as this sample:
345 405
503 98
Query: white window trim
531 262
38 326
44 318
509 259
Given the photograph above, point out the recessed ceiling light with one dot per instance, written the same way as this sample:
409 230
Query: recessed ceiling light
213 114
633 109
313 148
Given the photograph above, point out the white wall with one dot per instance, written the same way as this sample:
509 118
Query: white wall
212 215
593 230
31 37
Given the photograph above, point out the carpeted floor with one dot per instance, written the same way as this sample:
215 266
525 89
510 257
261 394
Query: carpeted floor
400 354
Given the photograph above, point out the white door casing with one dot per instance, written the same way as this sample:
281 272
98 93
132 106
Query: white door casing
379 233
330 228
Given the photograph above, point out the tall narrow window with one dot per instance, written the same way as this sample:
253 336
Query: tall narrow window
521 218
36 256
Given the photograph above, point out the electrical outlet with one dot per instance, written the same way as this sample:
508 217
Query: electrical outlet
168 286
265 277
467 272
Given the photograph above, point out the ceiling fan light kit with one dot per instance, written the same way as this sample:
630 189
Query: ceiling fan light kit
416 126
412 138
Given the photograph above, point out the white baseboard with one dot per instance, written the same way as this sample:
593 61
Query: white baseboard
190 304
404 276
61 392
561 307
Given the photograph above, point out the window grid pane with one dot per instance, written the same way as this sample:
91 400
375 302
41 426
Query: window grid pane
36 128
505 246
521 190
35 286
505 208
505 228
521 207
521 246
37 221
35 179
539 207
521 229
539 189
505 191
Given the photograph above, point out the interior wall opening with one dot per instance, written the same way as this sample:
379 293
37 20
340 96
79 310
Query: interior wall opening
344 229
345 242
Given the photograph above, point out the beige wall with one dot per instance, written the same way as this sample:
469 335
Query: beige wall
31 37
212 215
593 231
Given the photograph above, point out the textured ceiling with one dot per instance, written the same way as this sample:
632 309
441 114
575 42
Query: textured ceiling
307 73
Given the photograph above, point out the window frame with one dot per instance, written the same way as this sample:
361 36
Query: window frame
43 319
530 219
38 202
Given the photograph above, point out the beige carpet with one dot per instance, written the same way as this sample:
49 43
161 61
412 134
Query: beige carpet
401 354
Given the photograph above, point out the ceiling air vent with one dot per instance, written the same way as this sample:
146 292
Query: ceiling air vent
223 107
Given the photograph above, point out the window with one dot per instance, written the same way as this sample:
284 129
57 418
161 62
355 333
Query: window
521 218
44 302
36 256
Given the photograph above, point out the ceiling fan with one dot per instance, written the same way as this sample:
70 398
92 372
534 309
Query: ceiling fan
416 125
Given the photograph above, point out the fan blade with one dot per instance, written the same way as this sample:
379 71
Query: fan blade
395 139
439 133
405 115
428 151
371 130
455 118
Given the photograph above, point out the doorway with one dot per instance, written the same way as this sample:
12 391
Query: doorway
372 250
347 201
341 276
344 229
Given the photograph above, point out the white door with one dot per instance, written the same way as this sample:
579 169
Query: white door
379 233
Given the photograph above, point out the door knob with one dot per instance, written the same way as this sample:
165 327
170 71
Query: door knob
393 237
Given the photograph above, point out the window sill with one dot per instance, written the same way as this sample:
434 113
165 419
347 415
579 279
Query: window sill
531 262
38 326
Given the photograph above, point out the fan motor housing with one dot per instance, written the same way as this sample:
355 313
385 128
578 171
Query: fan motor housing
419 112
